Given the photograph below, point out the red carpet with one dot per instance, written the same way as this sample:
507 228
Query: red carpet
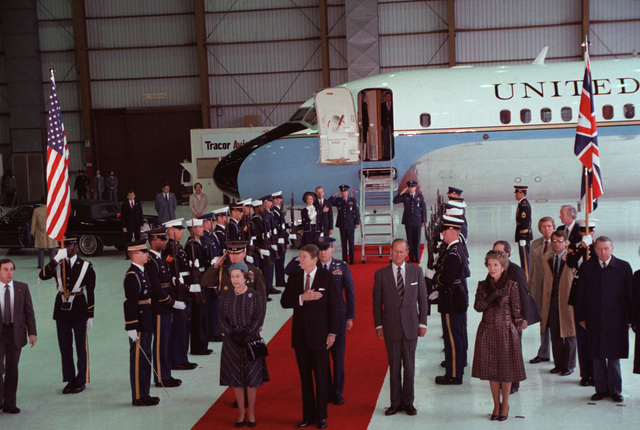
279 402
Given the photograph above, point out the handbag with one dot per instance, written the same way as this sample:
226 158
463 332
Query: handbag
257 348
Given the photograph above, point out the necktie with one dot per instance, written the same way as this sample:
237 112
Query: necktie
546 244
400 283
307 283
388 105
166 197
556 275
131 204
6 315
604 264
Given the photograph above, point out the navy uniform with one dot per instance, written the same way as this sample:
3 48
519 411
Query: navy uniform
524 234
576 255
281 239
198 263
178 263
73 311
213 250
234 229
453 301
270 241
414 218
221 231
347 221
139 326
162 306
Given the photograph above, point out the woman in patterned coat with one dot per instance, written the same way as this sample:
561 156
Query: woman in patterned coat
241 315
498 352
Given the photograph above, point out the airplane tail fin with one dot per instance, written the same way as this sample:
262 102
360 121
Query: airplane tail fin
541 56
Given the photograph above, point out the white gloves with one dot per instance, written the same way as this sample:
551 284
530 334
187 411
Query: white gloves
133 335
429 273
523 243
197 263
179 305
194 288
434 295
274 247
214 259
249 259
61 255
587 239
89 324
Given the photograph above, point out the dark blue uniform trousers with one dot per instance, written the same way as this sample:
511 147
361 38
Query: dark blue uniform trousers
179 338
586 363
336 378
67 332
213 307
161 335
139 366
455 353
279 267
524 256
347 236
413 239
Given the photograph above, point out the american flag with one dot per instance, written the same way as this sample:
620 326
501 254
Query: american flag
58 196
586 145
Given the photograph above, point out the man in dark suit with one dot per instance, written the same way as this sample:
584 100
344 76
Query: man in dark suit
347 221
386 121
568 216
604 310
323 206
98 186
313 296
18 320
73 311
397 289
166 204
131 214
414 217
523 225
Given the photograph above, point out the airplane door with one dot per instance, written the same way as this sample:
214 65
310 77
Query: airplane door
338 127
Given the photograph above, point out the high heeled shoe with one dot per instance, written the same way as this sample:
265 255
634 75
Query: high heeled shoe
251 423
495 417
504 417
240 423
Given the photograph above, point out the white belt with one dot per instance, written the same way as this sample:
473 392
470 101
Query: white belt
184 273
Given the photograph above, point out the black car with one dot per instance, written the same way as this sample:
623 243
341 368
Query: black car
96 222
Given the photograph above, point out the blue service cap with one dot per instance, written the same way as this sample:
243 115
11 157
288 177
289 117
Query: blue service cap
324 242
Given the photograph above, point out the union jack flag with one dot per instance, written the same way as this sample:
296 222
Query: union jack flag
58 196
586 145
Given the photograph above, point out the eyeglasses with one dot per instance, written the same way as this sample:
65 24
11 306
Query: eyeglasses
557 240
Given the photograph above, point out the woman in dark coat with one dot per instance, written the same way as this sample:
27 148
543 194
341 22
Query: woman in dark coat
311 220
498 352
241 316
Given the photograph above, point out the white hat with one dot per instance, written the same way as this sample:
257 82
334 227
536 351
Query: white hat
255 203
174 223
245 202
194 222
223 210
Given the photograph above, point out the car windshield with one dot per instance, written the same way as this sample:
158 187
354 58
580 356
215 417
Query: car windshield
19 212
104 210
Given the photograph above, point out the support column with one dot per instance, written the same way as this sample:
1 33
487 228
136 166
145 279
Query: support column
86 103
451 20
363 50
203 67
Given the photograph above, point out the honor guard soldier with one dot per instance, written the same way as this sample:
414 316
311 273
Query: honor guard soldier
176 258
577 254
211 244
198 263
209 240
221 216
523 225
282 237
162 306
270 242
414 217
453 301
139 324
234 232
73 311
261 255
454 192
347 221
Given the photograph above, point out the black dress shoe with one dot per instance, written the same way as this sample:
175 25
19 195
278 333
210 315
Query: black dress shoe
217 338
537 360
339 400
322 424
77 388
617 398
67 389
146 401
410 410
513 390
566 372
504 417
16 410
269 299
443 364
599 396
274 291
205 352
555 370
448 380
304 423
239 424
251 423
584 382
173 382
392 410
185 366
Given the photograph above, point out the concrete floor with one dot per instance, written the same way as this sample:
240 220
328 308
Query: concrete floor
544 400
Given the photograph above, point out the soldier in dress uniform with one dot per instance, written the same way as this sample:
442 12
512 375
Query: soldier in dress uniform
210 241
139 324
234 231
578 253
211 244
282 237
221 216
348 221
162 306
453 301
270 241
414 217
454 192
73 311
524 234
176 258
198 263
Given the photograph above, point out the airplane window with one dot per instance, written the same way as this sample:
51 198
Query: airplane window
607 112
425 120
311 118
545 115
629 111
525 116
505 116
566 114
298 115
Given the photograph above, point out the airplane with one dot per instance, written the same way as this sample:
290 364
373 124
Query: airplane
482 129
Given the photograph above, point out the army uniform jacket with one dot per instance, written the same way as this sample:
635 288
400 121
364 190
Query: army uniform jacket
523 221
178 263
137 304
82 307
159 275
452 294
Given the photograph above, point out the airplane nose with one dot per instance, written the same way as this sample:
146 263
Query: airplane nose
226 172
